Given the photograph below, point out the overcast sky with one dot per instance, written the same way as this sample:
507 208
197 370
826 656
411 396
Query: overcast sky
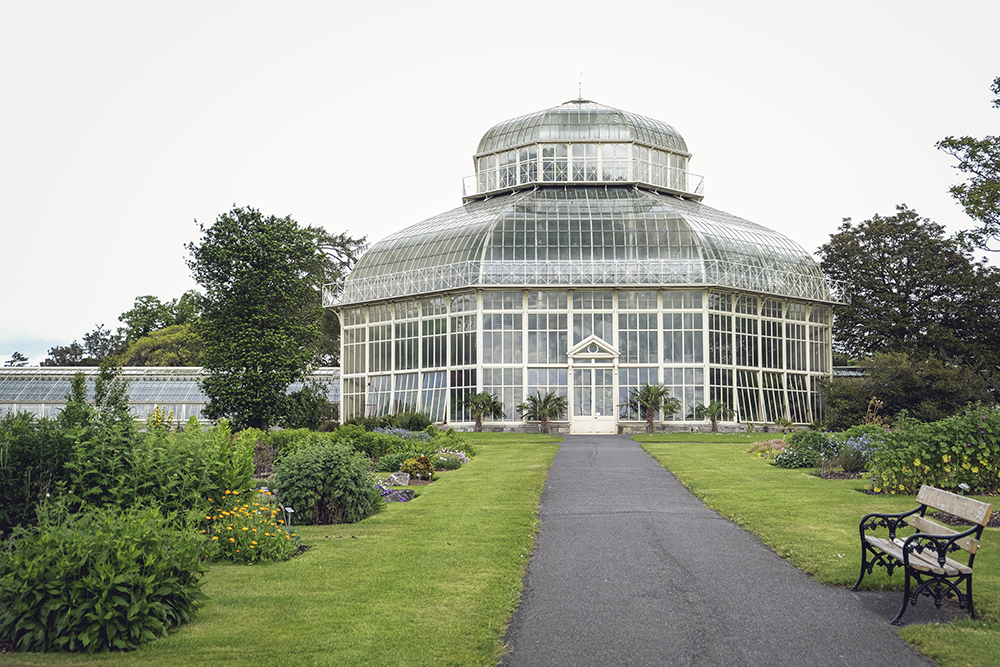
123 122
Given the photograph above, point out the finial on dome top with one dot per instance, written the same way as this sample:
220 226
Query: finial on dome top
579 93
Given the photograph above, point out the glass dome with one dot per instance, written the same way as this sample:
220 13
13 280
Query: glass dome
580 120
582 142
584 236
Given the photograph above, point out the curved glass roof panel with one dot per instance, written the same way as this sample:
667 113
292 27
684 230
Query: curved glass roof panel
600 235
581 120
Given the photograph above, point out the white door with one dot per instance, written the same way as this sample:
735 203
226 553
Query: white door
593 401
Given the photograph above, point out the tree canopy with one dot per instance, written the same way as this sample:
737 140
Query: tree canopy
175 345
979 160
261 311
912 289
149 314
98 345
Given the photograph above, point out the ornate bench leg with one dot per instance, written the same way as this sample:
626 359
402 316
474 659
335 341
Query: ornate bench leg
864 565
906 599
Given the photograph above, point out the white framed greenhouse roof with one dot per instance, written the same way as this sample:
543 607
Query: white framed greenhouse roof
43 390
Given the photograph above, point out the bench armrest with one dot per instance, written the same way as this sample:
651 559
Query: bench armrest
940 545
892 522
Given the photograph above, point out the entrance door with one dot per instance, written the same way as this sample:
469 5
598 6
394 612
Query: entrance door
593 401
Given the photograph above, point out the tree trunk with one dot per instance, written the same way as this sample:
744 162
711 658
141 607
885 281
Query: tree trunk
479 423
545 424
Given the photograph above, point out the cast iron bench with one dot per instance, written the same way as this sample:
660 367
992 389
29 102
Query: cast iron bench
924 555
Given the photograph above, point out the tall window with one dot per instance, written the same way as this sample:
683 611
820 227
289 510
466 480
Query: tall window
507 384
637 342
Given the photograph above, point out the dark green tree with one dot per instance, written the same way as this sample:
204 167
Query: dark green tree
98 345
16 361
912 289
341 252
979 161
927 389
261 312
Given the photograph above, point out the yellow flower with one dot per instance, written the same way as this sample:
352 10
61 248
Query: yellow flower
232 540
203 532
229 527
902 488
975 468
244 528
215 537
878 490
916 462
236 493
946 458
253 542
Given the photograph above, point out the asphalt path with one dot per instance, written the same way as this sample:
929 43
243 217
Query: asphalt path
629 568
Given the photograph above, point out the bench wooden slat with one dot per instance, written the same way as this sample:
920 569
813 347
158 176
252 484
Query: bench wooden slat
925 562
969 509
926 525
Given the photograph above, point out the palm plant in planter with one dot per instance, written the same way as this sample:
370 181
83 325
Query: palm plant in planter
483 406
713 412
542 408
648 399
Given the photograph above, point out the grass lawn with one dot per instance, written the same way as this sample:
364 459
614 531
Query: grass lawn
429 582
814 523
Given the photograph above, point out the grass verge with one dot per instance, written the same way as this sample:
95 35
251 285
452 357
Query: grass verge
813 523
429 582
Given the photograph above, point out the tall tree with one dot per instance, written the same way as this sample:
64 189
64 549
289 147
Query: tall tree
912 289
341 252
979 160
261 312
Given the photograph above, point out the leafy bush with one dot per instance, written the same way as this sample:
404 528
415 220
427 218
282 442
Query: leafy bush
856 447
964 449
98 580
449 460
411 421
248 526
450 440
32 459
393 462
805 449
327 483
419 467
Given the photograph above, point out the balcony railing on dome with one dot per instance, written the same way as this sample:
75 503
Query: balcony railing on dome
712 273
666 179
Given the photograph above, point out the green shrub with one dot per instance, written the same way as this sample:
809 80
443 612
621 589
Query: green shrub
452 441
32 459
248 526
419 467
411 421
446 460
98 580
964 449
327 483
805 449
393 462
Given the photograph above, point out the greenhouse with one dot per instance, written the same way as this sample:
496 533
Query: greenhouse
43 390
583 262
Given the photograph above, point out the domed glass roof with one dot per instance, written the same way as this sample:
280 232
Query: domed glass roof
584 236
581 120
